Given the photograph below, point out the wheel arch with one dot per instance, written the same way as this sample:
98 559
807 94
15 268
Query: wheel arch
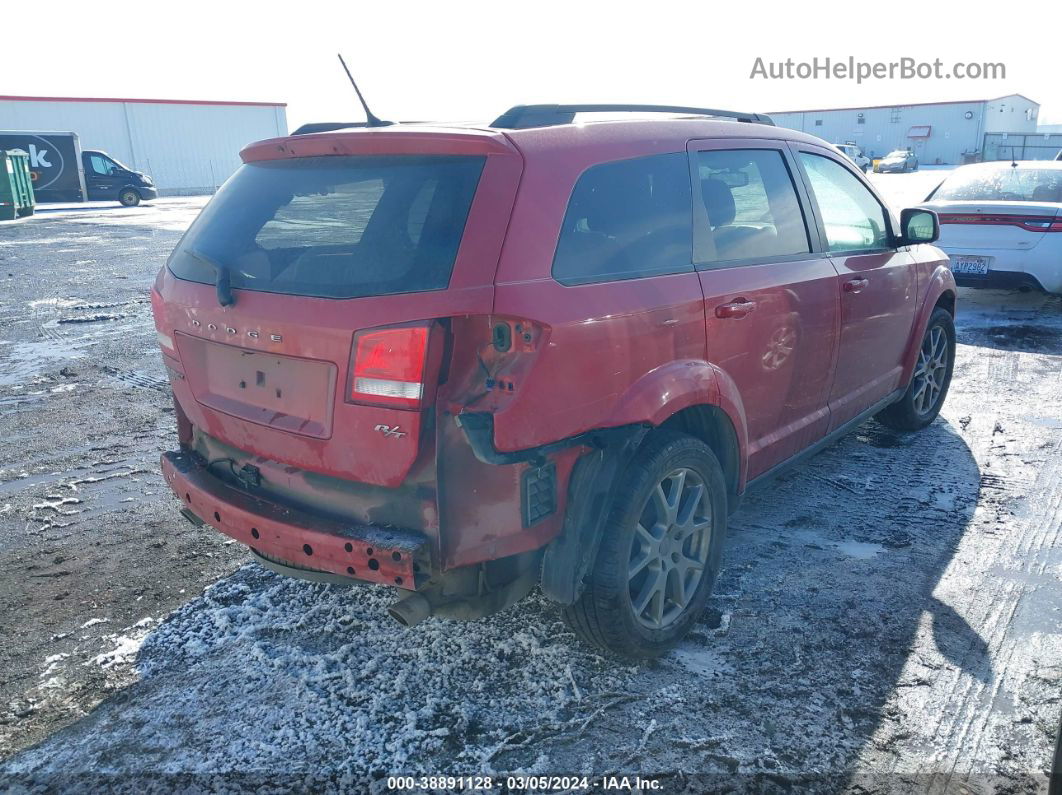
692 396
713 426
699 398
940 292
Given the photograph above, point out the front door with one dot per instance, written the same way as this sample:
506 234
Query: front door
876 284
770 299
100 177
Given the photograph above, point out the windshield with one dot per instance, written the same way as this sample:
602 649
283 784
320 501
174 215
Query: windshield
1002 183
897 153
334 227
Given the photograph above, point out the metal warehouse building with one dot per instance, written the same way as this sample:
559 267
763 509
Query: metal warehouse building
937 132
186 146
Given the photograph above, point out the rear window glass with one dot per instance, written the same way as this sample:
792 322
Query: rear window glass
1003 183
334 227
627 219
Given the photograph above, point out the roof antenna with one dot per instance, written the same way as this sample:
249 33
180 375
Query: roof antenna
373 120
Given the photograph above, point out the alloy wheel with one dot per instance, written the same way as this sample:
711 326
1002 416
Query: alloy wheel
931 370
669 551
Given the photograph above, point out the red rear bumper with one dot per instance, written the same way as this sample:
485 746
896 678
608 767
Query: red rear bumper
301 539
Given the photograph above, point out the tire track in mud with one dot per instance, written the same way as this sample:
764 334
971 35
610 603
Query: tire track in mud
1018 527
1030 556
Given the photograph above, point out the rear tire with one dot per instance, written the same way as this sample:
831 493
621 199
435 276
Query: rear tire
660 553
922 401
129 198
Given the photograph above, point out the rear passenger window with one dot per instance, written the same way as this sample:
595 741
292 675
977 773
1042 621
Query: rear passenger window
625 220
752 206
852 217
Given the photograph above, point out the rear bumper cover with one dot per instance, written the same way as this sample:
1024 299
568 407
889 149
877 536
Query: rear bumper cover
1000 280
1039 267
305 541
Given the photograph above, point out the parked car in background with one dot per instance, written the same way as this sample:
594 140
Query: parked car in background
855 154
468 360
1001 224
63 172
900 160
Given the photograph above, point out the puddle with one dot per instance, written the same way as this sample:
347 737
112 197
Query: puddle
1046 422
24 360
860 550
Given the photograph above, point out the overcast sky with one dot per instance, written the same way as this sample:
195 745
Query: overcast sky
472 60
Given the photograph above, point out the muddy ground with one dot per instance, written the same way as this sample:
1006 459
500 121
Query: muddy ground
889 617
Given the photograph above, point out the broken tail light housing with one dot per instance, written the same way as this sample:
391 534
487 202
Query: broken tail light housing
395 366
157 311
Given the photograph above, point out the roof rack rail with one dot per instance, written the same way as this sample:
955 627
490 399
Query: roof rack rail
523 116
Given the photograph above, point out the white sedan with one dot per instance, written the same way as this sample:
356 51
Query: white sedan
1001 224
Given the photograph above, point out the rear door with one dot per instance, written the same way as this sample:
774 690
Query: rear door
876 283
345 270
770 296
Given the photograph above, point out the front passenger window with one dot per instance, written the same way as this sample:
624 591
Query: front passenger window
853 218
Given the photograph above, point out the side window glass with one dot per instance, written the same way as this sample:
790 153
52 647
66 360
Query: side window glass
627 219
99 165
853 218
752 206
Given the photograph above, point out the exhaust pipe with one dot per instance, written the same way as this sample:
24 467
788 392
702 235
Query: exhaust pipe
411 610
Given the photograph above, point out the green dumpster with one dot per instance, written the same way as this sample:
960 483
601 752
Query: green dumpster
16 187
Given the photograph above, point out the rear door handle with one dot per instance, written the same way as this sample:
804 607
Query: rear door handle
855 285
736 308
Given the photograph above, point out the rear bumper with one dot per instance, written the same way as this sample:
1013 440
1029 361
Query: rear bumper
295 538
999 280
1039 267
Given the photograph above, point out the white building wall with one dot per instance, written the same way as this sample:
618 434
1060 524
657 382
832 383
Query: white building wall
186 148
1011 114
952 135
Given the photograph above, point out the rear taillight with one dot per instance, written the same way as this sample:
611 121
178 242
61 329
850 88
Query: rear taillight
391 367
1030 223
1043 225
165 340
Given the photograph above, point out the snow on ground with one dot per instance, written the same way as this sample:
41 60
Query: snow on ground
889 618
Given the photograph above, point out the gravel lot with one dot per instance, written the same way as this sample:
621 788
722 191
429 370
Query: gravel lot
889 617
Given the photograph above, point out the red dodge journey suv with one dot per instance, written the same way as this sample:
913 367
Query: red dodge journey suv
466 361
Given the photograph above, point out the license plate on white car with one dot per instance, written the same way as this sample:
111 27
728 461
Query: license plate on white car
977 266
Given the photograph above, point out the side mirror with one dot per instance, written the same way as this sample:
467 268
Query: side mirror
918 226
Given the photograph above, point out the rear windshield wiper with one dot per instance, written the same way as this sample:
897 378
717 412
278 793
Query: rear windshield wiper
221 279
